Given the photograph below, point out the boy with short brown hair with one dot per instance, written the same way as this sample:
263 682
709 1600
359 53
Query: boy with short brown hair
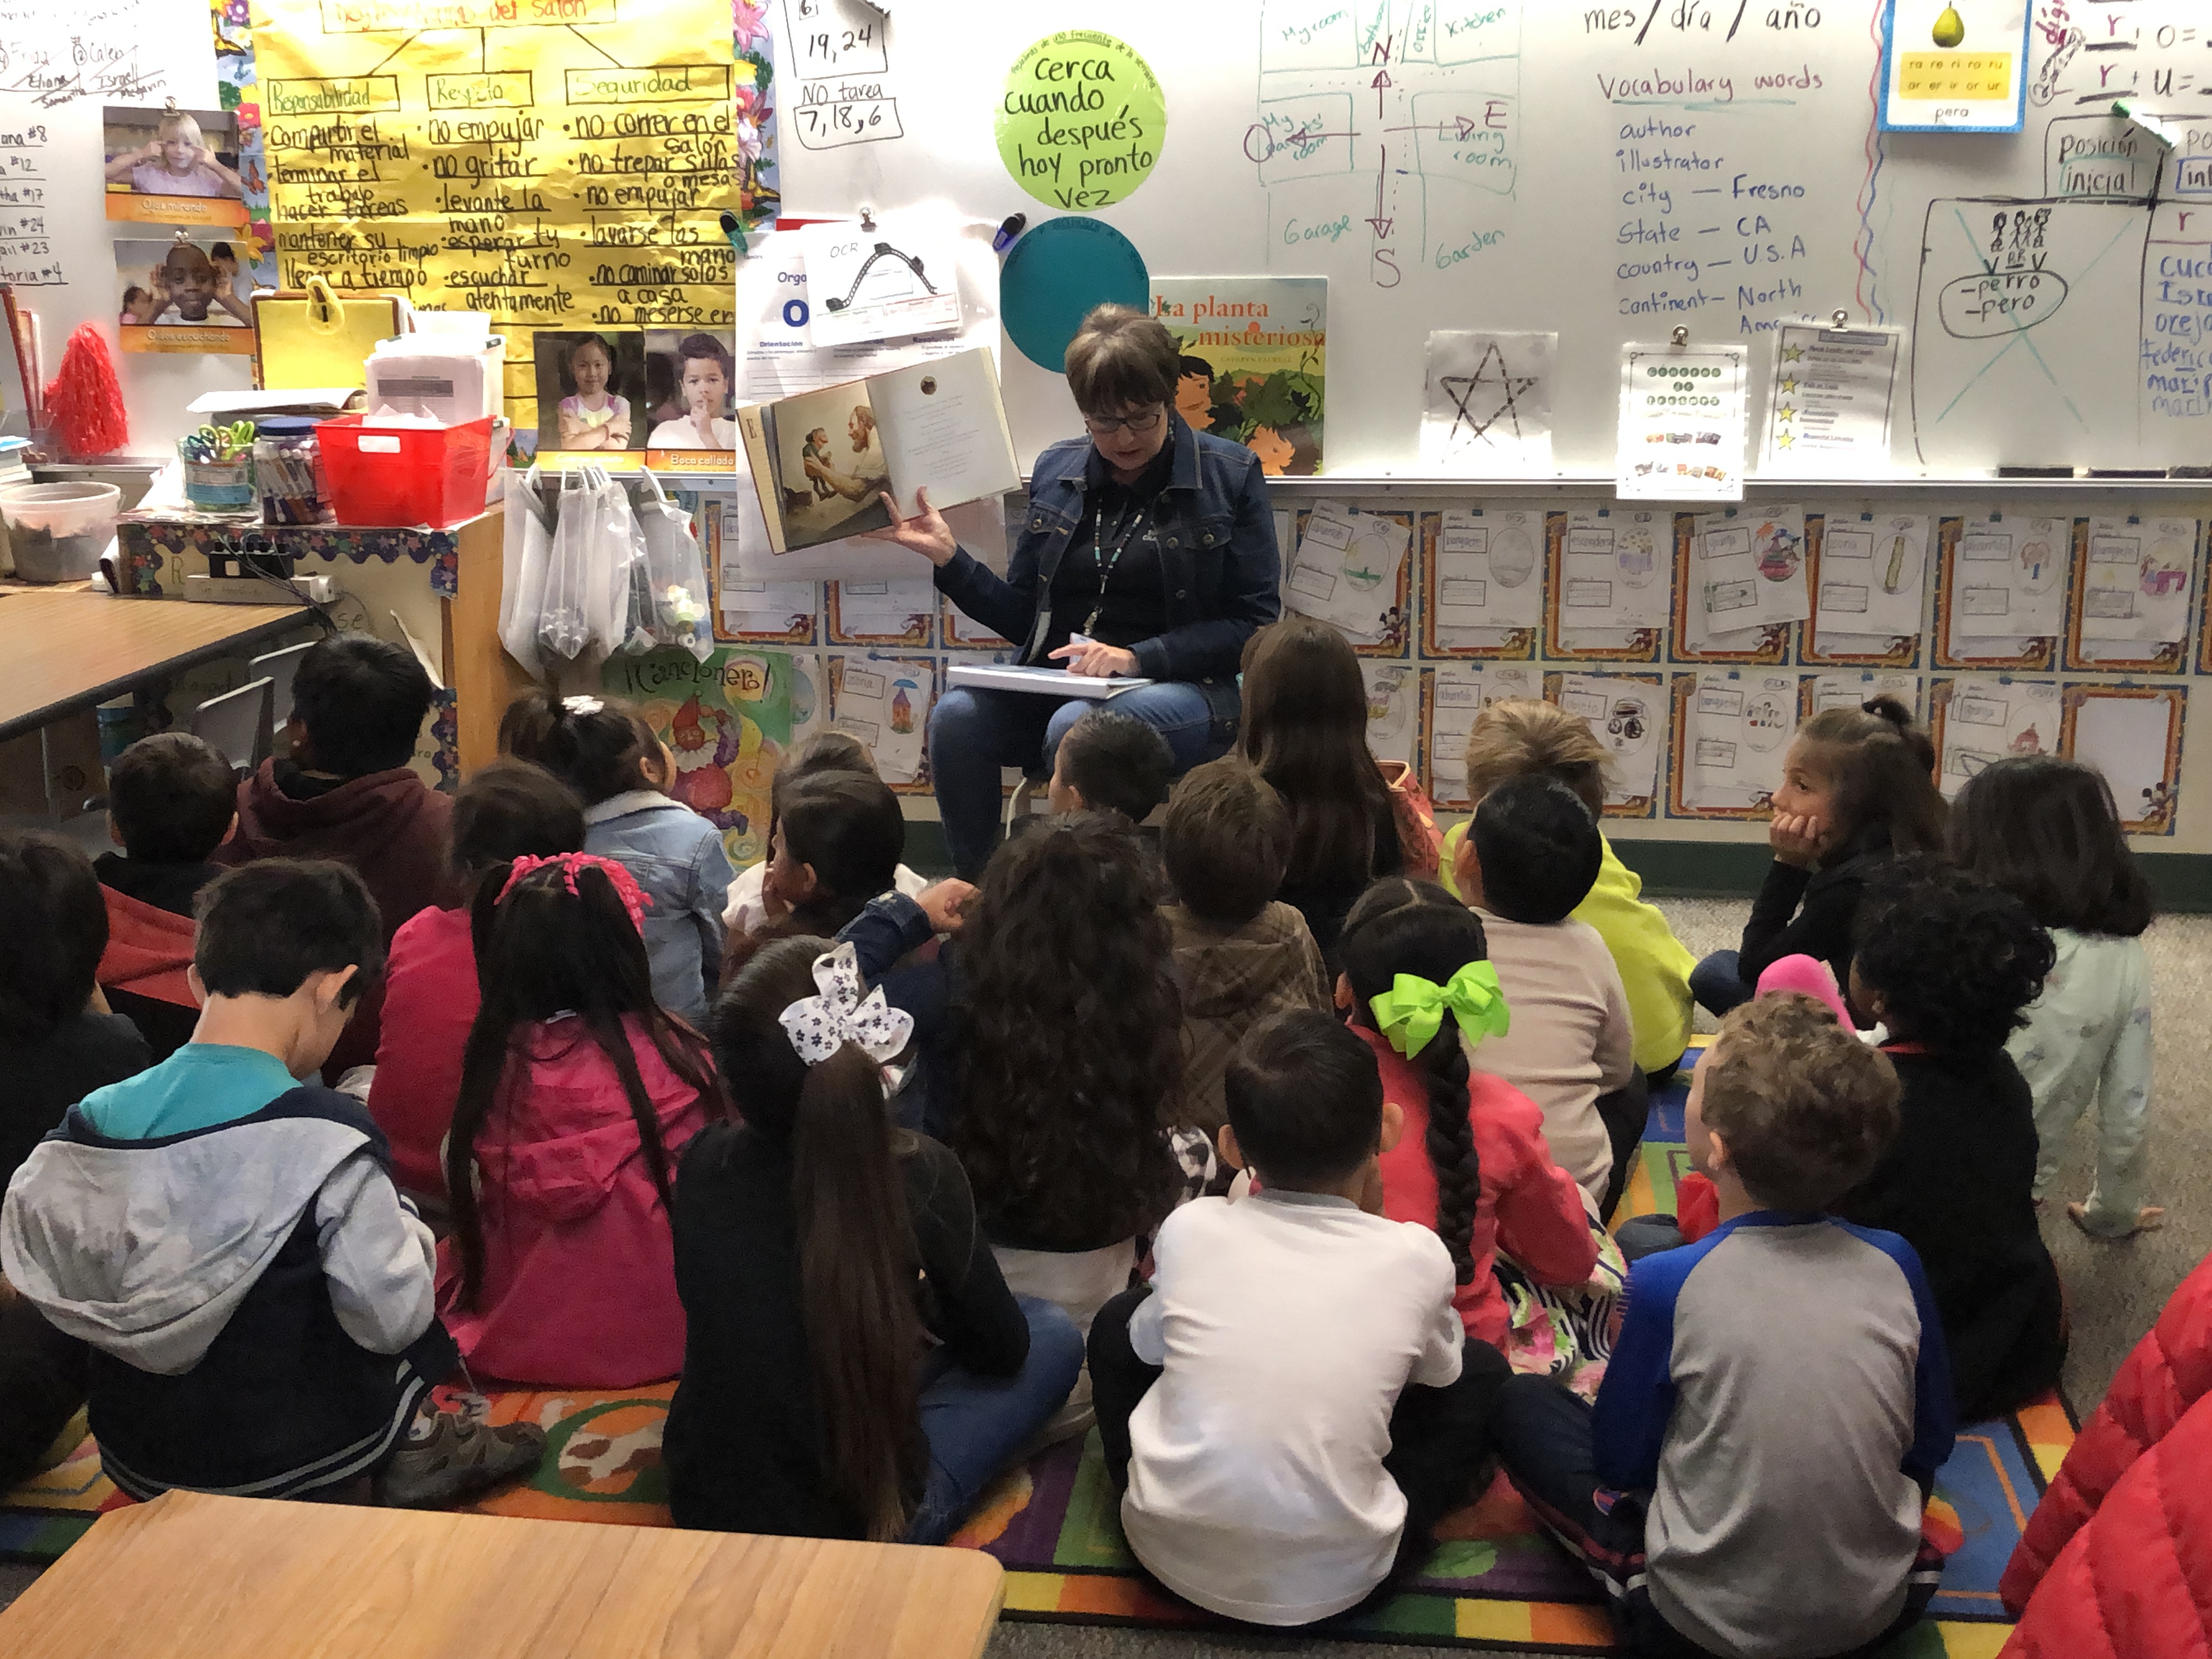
1240 953
1732 1495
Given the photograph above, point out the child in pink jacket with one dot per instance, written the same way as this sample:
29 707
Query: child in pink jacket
577 1094
1472 1161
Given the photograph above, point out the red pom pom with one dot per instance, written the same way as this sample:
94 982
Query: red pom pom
84 401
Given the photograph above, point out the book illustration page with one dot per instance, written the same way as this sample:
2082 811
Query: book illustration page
827 449
943 429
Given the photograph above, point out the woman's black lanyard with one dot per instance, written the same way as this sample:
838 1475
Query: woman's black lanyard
1107 563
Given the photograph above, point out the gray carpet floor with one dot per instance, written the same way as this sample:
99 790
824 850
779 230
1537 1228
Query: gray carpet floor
2114 1291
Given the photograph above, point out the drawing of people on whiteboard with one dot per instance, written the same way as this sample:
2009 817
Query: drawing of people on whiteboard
829 458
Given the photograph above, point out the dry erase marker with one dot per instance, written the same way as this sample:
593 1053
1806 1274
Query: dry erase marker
734 228
1009 227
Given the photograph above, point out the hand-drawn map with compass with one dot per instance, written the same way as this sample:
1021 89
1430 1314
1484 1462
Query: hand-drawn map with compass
1383 124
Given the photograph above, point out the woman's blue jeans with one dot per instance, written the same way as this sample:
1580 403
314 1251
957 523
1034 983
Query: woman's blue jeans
975 732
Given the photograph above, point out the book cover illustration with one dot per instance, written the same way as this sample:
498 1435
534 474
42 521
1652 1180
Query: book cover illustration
1254 356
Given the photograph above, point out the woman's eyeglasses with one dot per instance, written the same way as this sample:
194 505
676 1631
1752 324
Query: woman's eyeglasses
1106 427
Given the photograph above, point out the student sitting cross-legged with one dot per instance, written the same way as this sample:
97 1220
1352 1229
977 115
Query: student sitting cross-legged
224 1233
1291 1406
1752 1479
855 1366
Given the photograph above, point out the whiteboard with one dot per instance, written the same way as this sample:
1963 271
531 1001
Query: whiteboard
59 63
1608 170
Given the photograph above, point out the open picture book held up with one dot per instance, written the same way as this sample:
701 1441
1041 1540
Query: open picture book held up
822 460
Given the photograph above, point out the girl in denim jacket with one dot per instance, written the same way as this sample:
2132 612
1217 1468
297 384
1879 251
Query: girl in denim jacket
607 753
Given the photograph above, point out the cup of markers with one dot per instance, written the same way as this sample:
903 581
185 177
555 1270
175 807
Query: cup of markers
288 473
219 466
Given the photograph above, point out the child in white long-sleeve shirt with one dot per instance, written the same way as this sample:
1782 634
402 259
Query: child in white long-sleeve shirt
2047 831
226 1238
1290 1407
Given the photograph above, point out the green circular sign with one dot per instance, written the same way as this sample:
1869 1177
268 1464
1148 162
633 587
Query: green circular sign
1082 120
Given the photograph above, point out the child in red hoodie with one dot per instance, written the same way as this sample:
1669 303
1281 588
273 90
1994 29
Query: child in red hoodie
348 791
577 1094
171 800
1473 1162
508 810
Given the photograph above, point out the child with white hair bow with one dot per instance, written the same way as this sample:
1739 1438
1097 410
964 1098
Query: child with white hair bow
855 1366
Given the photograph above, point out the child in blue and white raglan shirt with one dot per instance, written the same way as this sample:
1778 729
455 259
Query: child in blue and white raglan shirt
1752 1479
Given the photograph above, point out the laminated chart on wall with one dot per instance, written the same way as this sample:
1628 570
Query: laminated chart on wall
1614 579
1451 697
1628 715
560 164
2132 734
1981 721
1484 588
1734 729
1746 577
2136 588
1869 576
1345 570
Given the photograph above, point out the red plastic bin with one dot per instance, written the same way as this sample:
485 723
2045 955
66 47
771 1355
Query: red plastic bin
405 476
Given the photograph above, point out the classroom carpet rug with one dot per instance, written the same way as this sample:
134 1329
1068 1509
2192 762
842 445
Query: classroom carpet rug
1495 1582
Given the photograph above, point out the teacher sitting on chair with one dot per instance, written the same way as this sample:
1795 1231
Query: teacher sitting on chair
1149 551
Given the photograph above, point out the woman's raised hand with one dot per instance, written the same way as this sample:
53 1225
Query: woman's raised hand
923 531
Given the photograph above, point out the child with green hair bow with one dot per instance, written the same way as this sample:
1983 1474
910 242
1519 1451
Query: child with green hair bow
1473 1162
1412 1011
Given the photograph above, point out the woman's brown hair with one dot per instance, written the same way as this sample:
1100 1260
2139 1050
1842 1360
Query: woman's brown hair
1121 358
857 1261
1305 728
1883 767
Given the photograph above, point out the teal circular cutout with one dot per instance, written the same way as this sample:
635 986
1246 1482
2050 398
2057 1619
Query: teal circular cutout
1056 273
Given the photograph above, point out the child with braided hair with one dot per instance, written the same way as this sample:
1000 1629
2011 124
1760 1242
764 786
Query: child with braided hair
1473 1164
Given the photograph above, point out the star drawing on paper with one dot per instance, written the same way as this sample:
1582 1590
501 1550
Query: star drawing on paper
1498 401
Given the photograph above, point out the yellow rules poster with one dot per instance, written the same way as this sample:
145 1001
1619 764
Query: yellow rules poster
561 164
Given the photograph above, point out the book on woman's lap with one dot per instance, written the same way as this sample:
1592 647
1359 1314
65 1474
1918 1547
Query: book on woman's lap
821 460
1046 681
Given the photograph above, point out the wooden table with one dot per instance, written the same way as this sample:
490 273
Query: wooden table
62 650
191 1577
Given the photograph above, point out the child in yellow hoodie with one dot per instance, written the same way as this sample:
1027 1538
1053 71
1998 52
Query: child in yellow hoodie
1521 736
